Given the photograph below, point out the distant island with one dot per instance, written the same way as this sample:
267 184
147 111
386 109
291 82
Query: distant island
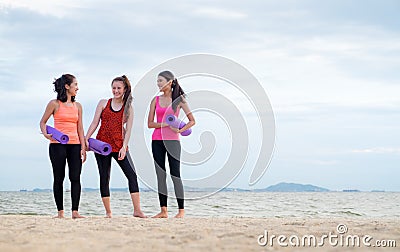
293 187
281 187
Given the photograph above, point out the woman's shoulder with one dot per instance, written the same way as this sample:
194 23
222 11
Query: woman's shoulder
155 98
103 102
78 105
53 103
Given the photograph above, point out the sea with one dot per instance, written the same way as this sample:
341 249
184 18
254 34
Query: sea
220 204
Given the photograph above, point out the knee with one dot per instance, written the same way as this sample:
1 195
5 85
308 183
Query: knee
175 175
58 180
104 183
75 179
161 174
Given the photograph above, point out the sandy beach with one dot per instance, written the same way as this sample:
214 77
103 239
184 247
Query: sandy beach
124 233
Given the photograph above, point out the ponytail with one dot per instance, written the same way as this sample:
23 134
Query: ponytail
177 92
127 98
59 87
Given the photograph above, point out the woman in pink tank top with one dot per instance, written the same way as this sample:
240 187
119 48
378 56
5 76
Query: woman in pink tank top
165 139
67 114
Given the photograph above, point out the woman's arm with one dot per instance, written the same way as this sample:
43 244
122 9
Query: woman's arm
189 115
127 134
81 132
96 119
50 109
128 129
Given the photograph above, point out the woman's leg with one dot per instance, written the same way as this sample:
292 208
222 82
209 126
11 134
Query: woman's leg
75 168
104 166
159 151
58 154
128 168
174 156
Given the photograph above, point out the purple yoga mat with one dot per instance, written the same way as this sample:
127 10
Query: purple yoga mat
174 122
57 135
99 147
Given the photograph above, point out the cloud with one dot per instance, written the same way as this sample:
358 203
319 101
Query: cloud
218 13
377 150
59 8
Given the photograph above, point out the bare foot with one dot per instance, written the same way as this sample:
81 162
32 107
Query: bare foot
161 215
108 215
180 214
60 214
139 214
76 215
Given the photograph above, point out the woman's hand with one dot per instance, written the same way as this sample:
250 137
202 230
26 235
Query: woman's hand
83 155
87 144
48 136
122 153
162 125
176 130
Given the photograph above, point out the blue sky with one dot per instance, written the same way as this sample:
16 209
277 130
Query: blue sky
330 69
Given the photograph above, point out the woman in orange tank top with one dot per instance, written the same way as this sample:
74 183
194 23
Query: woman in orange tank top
67 114
113 114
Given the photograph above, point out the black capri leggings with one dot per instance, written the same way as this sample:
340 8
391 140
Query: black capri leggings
173 150
126 164
59 154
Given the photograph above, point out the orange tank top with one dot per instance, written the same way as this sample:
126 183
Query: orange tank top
66 120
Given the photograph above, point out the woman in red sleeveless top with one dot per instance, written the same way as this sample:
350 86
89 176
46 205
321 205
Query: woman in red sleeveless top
67 115
165 139
113 114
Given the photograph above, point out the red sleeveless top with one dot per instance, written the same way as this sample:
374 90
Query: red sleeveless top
111 127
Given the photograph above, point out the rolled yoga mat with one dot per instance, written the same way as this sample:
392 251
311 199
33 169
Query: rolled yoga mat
174 122
57 135
99 147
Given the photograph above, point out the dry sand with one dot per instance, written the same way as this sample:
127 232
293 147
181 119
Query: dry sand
123 233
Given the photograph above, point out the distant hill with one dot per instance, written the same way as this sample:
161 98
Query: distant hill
293 187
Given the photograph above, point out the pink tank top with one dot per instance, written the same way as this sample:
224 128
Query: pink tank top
66 120
164 133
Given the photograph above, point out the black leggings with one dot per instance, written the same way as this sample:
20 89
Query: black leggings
59 154
126 164
173 150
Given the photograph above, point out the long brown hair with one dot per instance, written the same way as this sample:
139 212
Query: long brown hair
177 92
127 98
